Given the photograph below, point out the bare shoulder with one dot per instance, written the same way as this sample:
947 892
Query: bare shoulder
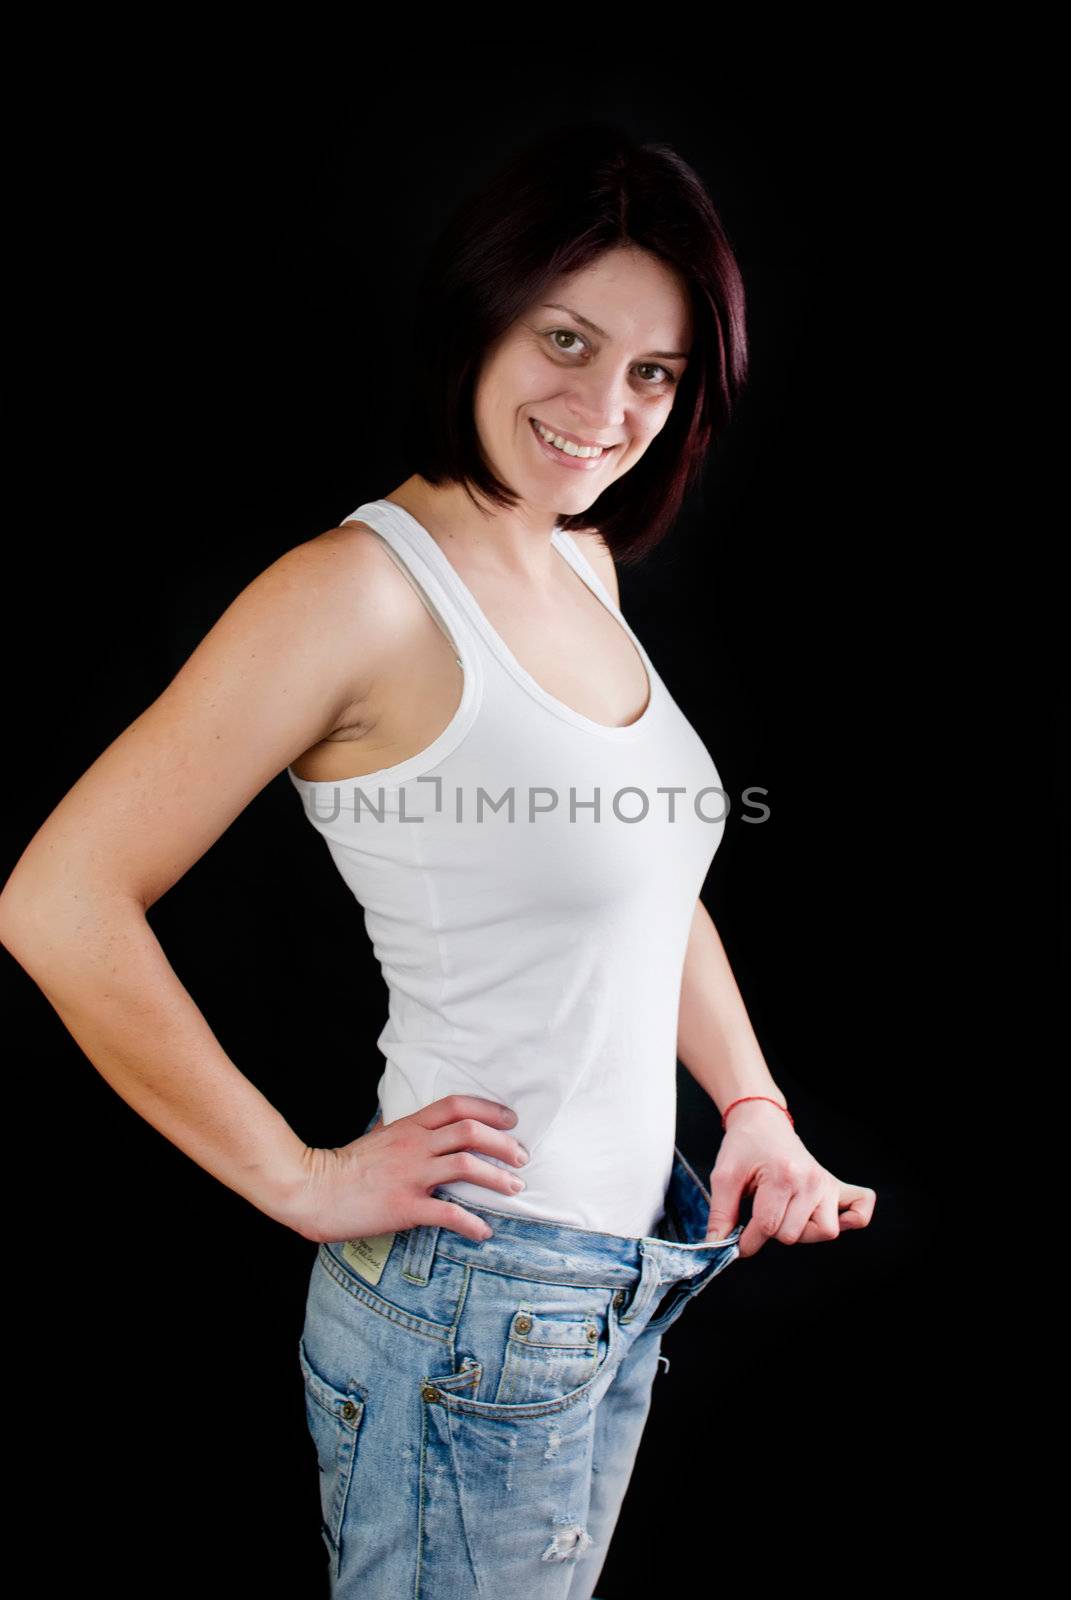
350 555
597 551
350 581
287 660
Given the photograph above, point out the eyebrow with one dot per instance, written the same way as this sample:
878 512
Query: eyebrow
664 355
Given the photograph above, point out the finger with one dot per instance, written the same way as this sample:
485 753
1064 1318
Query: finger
802 1222
464 1166
823 1224
452 1107
447 1214
472 1134
856 1203
768 1209
856 1214
719 1224
726 1189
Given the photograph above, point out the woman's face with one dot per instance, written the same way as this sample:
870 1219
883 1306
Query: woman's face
599 364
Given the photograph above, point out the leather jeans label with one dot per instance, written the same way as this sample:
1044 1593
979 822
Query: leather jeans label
368 1256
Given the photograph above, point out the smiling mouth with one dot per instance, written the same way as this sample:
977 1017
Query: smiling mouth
569 439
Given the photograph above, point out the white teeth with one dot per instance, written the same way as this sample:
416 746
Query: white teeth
566 445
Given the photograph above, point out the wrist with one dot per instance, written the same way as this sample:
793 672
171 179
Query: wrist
282 1189
756 1108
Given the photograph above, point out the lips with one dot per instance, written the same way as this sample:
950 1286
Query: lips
571 438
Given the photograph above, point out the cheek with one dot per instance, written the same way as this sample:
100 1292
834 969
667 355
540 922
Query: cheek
647 429
641 435
509 387
530 380
652 424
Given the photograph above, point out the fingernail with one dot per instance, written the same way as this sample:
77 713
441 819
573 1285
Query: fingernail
518 1184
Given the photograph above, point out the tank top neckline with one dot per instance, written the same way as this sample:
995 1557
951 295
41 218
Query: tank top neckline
448 574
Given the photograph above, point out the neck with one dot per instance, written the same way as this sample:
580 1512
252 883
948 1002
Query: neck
509 541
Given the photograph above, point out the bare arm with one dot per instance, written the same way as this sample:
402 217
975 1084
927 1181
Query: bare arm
272 677
794 1197
715 1039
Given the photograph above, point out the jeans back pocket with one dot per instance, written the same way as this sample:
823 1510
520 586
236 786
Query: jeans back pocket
334 1416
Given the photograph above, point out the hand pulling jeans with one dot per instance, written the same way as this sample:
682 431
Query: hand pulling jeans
476 1407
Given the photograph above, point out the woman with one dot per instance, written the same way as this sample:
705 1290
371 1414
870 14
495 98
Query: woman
527 818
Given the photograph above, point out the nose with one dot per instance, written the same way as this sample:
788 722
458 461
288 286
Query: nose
598 403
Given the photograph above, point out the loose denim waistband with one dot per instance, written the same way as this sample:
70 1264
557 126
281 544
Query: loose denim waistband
555 1252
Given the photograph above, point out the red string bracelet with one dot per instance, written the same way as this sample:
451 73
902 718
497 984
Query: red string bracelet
743 1097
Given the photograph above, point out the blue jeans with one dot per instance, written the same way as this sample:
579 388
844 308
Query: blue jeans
476 1407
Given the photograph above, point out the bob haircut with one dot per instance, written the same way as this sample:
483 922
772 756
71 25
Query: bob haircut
553 209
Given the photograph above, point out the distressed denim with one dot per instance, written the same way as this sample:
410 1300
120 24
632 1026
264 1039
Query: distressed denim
476 1407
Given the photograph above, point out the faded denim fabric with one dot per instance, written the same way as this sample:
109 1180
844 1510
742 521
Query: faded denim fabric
476 1407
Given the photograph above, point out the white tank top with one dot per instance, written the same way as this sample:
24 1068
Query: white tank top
532 945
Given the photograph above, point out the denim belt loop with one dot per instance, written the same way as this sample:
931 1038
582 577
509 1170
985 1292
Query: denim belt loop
650 1279
419 1258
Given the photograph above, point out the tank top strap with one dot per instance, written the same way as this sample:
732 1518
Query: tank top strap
393 530
583 567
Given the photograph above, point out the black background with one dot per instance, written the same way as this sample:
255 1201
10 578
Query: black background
213 293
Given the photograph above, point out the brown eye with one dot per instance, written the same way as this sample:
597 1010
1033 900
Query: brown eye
670 377
565 333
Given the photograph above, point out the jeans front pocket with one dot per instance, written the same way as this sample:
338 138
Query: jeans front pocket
549 1353
533 1359
334 1418
517 1473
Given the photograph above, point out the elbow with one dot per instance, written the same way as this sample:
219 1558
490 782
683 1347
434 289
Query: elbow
15 915
27 928
42 919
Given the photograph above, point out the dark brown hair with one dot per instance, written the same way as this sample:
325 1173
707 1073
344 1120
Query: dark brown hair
553 209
